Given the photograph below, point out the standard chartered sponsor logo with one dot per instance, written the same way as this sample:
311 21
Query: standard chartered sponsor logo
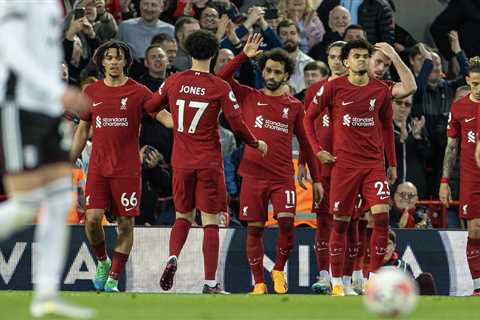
326 120
471 137
110 122
259 122
357 122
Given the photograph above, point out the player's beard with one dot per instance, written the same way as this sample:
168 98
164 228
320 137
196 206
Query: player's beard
290 46
272 85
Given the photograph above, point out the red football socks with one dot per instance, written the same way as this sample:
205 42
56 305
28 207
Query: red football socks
352 248
366 257
322 234
118 263
362 237
178 236
255 252
337 244
100 251
286 237
210 250
378 244
473 257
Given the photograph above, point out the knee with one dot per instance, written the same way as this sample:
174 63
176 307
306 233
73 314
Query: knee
286 224
93 219
210 219
190 216
125 229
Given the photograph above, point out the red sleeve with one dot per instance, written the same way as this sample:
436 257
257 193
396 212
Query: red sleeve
227 72
233 114
159 99
319 103
453 127
305 148
386 117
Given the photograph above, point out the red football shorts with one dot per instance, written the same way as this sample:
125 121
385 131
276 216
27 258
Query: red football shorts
255 194
469 200
348 183
121 195
323 206
203 189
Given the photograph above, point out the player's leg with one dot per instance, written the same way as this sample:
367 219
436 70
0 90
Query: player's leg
184 185
343 195
283 198
322 234
376 192
368 240
357 275
473 253
350 256
253 210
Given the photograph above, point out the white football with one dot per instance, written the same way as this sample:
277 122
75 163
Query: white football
391 293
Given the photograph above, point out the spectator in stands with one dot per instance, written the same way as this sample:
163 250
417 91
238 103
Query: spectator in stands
183 27
463 16
339 19
425 280
224 55
139 32
404 212
434 100
209 18
289 33
354 32
156 63
373 15
104 22
403 39
302 13
313 72
79 43
412 146
169 46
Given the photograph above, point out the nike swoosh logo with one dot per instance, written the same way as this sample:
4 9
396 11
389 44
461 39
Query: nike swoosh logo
96 104
336 254
384 197
470 119
262 104
346 103
289 207
129 209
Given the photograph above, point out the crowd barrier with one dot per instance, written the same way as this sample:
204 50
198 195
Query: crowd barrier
441 253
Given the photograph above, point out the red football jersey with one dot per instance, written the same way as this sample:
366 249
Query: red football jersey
195 100
273 119
115 114
462 124
359 116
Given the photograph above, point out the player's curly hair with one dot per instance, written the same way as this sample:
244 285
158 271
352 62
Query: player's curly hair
336 44
113 44
474 65
356 44
278 55
201 45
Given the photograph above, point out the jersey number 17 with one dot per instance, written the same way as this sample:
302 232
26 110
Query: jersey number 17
200 106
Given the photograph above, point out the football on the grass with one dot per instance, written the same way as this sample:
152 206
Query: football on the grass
391 293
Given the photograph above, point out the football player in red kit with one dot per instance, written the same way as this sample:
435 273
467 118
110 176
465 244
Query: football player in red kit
113 180
195 98
462 131
361 113
274 117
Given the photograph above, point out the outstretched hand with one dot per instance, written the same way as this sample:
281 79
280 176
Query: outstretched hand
251 46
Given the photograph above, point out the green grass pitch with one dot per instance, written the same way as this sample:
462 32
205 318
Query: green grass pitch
14 305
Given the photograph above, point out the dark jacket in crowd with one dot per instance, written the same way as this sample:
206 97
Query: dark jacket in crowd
375 16
463 16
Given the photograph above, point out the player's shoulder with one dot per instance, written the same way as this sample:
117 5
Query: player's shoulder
462 105
380 83
292 101
94 87
312 90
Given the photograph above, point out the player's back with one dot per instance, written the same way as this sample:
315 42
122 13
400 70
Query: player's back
358 113
195 99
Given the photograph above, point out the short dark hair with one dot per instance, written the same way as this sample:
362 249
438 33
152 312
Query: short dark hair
355 27
278 55
392 236
201 45
317 65
162 37
336 44
182 22
113 44
150 47
356 44
285 23
474 65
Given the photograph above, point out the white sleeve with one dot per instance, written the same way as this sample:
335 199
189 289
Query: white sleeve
16 28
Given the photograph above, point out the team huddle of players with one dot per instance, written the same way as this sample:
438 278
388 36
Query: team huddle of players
345 136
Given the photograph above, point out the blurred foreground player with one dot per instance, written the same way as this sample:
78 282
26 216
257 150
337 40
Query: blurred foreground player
195 98
35 142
